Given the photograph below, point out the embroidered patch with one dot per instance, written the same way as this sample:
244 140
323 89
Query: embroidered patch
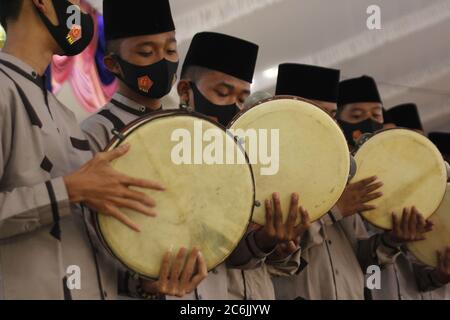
74 34
145 83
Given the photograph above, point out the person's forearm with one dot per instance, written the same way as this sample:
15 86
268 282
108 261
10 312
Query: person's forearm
379 250
428 279
279 257
336 214
289 265
263 243
248 254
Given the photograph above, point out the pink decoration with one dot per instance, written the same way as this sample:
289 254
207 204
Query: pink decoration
81 72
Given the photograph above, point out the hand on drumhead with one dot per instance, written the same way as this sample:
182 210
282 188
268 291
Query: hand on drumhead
356 196
411 227
443 268
275 231
176 280
105 190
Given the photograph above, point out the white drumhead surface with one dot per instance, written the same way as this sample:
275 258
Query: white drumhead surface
313 156
205 206
412 171
439 238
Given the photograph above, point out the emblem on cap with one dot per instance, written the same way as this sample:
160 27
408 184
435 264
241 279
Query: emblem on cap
74 34
145 83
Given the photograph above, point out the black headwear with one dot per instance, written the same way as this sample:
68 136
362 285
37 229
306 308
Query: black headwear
442 141
309 82
387 117
363 89
126 19
406 116
220 52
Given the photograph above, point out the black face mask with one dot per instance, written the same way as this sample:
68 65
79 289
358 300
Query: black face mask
353 131
74 40
153 81
224 114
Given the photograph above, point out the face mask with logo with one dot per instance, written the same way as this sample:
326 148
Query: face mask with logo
75 29
153 81
354 131
224 114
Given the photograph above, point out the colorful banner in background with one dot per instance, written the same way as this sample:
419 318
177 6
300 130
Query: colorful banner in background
92 84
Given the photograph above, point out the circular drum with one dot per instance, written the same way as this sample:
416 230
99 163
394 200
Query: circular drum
436 240
411 168
308 150
205 205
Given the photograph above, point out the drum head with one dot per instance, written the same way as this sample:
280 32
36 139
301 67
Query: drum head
436 240
313 157
411 169
204 206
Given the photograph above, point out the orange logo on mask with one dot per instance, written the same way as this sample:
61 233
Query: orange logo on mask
74 34
145 83
356 135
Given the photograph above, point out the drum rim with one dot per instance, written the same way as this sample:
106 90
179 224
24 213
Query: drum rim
274 98
389 129
157 115
402 129
116 142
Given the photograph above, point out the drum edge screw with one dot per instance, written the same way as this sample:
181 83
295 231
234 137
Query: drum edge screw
118 135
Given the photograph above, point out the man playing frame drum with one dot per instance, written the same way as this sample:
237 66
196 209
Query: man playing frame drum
406 116
44 230
337 246
215 81
434 251
407 278
410 278
359 115
407 162
143 54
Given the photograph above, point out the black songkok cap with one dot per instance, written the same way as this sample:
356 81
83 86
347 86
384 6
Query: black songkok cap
309 82
406 116
387 117
131 18
442 141
220 52
358 90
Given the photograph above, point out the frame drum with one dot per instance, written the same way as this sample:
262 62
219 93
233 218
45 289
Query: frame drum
411 168
313 156
208 206
436 240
